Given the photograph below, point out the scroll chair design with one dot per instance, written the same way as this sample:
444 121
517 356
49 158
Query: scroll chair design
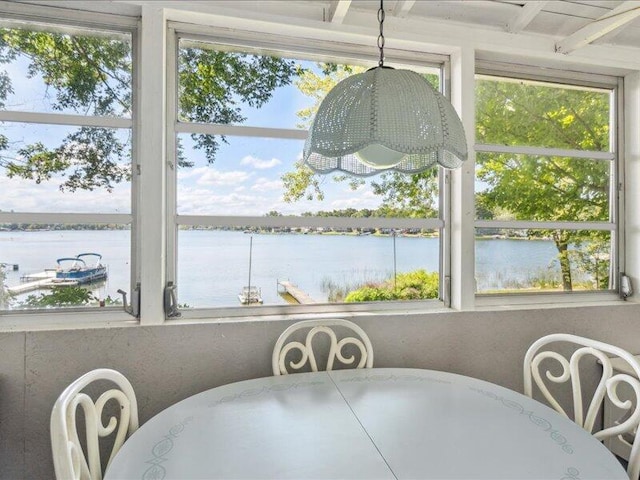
69 457
360 341
607 385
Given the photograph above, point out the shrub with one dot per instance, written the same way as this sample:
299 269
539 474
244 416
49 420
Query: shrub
417 285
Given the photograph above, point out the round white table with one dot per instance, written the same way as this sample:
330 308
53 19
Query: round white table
379 423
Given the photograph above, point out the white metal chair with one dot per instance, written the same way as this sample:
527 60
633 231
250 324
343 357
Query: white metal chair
607 386
280 350
69 457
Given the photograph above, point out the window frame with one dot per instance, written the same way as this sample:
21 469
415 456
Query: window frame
158 22
295 47
615 155
84 22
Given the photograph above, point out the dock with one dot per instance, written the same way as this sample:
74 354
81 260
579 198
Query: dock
36 281
296 293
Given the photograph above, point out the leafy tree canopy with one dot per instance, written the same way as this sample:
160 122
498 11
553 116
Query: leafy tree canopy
91 75
543 188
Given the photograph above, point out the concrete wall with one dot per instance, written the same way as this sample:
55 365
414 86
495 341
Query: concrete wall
168 363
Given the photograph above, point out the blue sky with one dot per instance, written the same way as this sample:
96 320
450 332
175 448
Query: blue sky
244 180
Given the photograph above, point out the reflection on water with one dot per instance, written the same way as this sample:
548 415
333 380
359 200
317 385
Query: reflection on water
213 265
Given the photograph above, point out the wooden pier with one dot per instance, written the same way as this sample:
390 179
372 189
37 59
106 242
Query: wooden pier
298 295
36 281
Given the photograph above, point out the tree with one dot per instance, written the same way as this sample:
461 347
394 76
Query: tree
541 188
519 187
213 83
92 75
302 182
89 75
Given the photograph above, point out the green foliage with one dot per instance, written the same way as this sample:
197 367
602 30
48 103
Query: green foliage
67 296
417 285
411 196
539 188
213 85
594 259
90 158
91 75
519 113
302 183
5 296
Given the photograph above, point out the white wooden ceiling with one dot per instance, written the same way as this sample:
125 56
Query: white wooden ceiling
573 24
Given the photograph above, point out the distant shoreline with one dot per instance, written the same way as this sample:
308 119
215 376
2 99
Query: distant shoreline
276 231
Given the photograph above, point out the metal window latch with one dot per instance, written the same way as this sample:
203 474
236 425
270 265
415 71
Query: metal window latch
134 307
171 301
626 290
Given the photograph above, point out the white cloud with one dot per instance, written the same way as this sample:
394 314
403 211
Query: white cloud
201 201
263 184
207 176
356 199
22 195
258 163
191 172
216 177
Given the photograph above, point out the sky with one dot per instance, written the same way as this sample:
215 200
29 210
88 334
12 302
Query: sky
244 180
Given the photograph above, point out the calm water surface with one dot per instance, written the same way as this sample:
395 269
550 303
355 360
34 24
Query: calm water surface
214 265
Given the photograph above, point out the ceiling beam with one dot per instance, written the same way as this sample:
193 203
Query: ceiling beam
526 15
338 10
402 7
616 18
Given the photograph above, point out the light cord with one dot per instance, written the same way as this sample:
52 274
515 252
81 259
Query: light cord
381 36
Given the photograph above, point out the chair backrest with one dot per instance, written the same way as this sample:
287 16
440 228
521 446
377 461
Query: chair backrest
69 458
361 342
607 386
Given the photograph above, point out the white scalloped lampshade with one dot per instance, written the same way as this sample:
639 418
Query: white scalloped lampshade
384 119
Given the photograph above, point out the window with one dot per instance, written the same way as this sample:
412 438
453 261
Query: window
546 176
242 212
65 166
249 214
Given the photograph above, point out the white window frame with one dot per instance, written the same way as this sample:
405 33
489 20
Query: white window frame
18 17
295 47
615 154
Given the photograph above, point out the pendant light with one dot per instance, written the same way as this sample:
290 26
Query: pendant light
384 119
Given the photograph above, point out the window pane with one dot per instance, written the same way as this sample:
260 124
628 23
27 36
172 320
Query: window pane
225 86
525 187
259 176
248 176
232 88
79 71
29 257
55 168
517 261
519 112
324 264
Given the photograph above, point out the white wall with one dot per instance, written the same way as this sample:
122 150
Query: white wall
168 363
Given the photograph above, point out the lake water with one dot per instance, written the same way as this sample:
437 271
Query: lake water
213 265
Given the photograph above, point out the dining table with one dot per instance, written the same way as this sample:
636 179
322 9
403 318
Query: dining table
381 423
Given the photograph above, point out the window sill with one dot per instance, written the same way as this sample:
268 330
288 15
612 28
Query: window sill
548 300
116 318
78 319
